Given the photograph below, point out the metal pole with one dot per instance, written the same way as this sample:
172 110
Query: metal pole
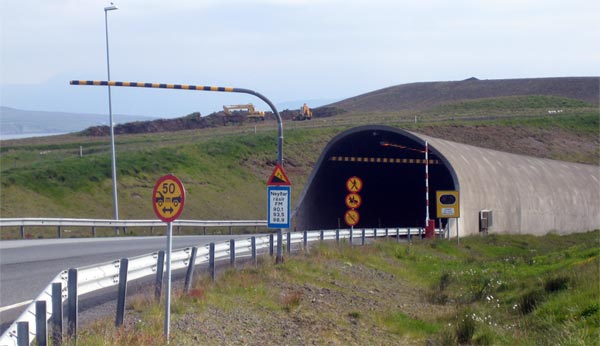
122 295
168 286
57 314
426 184
110 119
457 237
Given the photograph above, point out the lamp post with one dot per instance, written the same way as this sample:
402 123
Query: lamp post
110 118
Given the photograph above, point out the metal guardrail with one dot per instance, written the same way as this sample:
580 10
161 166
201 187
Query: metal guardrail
124 224
96 277
7 222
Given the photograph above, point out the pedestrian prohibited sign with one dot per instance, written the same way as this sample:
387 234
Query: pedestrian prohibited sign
168 198
354 184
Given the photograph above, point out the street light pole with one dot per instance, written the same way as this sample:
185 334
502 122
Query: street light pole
110 118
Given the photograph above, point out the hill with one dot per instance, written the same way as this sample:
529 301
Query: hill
70 175
420 96
487 97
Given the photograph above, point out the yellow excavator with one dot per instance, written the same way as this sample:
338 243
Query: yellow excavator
305 114
252 112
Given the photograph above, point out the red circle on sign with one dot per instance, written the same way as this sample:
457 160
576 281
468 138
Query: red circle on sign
353 200
354 184
351 217
168 198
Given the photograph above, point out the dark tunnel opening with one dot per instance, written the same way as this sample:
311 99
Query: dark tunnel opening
391 166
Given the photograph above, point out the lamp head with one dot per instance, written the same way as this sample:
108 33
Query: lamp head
111 7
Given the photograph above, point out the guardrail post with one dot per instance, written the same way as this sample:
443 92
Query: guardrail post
232 252
57 314
305 240
41 326
363 237
374 233
289 242
230 230
22 232
420 233
22 333
322 235
189 276
253 247
397 234
59 232
123 266
387 233
271 246
94 231
211 261
72 305
204 230
151 230
351 235
160 265
409 239
337 236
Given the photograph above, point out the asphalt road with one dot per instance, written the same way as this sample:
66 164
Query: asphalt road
27 266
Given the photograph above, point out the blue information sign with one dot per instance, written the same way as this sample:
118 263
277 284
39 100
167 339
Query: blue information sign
279 198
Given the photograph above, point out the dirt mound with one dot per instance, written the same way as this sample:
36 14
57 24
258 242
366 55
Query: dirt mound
189 122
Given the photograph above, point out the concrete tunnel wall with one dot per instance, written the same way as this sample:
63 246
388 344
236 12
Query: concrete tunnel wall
525 194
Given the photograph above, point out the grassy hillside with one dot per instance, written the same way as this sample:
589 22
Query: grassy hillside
420 96
225 169
495 290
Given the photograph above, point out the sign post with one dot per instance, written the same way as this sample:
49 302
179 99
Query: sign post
279 195
168 199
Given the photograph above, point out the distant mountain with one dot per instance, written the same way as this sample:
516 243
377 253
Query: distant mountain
22 122
419 96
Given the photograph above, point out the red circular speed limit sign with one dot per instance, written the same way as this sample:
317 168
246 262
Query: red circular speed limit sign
168 198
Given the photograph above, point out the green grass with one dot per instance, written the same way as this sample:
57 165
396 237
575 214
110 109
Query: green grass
512 103
400 323
373 292
228 164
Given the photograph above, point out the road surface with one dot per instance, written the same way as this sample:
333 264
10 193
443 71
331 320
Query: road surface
28 266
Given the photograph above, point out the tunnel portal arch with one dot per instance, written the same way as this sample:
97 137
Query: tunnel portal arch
391 164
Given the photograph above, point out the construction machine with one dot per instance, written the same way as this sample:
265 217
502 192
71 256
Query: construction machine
252 112
305 114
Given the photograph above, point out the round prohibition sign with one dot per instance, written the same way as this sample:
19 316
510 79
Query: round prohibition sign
168 198
353 200
354 184
351 217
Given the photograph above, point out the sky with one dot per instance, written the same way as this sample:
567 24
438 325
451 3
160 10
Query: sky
314 51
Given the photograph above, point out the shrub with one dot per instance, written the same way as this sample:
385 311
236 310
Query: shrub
465 329
530 301
556 284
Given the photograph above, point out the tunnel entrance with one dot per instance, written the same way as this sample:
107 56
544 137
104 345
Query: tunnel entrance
391 164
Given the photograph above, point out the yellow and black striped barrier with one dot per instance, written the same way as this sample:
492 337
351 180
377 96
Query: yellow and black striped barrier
157 85
199 88
362 159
